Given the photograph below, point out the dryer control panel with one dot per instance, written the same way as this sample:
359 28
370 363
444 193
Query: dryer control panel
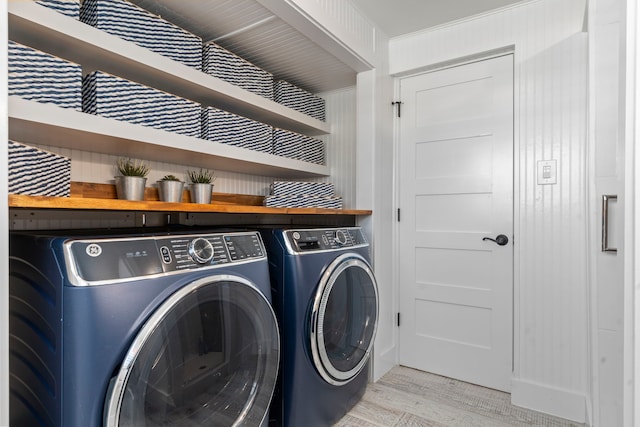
325 239
108 260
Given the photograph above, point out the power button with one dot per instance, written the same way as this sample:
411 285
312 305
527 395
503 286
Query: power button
166 254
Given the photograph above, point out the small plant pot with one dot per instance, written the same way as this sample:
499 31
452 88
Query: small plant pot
130 187
201 193
170 191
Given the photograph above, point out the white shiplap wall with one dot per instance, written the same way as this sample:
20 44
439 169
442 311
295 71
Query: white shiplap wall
551 334
352 20
340 145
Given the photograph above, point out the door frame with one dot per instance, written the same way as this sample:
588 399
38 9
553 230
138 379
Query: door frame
481 56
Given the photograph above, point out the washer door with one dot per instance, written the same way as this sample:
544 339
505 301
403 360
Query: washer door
344 319
207 356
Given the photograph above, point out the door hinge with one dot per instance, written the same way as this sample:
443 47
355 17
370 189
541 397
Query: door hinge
398 215
398 320
398 104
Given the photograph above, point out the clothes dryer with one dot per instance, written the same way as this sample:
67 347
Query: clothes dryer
326 300
141 330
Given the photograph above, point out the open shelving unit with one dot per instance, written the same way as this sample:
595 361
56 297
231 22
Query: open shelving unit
46 124
60 35
36 123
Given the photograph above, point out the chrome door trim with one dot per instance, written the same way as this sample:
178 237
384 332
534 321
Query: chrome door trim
320 358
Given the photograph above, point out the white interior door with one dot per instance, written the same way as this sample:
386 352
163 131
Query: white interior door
456 190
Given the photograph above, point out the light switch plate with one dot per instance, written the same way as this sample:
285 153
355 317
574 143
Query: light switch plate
547 172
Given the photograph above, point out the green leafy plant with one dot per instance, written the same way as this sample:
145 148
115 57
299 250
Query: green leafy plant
203 176
131 167
169 178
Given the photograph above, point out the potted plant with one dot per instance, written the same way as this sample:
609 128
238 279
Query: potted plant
170 189
132 179
201 185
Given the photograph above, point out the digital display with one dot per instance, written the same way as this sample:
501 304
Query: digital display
244 246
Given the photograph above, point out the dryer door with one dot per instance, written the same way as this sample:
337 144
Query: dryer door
208 356
344 319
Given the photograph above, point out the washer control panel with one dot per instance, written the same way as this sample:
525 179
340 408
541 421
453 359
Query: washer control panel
324 239
101 260
183 252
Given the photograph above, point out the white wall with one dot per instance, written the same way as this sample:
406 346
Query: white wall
375 188
551 371
4 224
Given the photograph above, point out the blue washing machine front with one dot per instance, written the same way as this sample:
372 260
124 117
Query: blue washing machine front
326 300
134 330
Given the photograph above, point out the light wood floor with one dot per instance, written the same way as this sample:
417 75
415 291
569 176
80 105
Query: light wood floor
409 398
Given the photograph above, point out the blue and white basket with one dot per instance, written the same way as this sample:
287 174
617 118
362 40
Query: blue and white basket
42 77
66 7
227 128
120 99
227 66
130 22
37 172
296 188
299 99
303 201
297 146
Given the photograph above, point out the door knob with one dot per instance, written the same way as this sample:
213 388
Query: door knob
500 239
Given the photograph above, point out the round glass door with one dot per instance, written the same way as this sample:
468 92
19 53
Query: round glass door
344 319
208 356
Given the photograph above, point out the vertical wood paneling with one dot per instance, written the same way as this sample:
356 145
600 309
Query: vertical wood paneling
550 20
551 342
352 20
341 143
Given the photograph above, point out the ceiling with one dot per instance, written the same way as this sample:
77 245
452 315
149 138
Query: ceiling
397 17
251 31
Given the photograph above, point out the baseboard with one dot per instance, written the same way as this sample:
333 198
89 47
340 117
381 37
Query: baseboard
383 361
550 400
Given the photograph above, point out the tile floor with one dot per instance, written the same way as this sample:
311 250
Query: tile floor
410 398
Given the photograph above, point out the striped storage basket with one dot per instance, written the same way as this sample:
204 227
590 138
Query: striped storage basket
303 201
37 172
132 23
299 99
227 66
66 7
297 146
295 188
227 128
41 77
117 98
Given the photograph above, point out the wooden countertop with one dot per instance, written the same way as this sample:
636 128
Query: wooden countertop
91 196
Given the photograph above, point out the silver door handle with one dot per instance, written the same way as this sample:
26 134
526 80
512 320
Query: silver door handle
605 222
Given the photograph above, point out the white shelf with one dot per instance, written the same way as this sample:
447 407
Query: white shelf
36 123
60 35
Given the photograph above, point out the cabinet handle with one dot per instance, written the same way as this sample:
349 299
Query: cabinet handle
605 222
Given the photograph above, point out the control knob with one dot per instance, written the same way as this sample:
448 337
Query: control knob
340 238
201 250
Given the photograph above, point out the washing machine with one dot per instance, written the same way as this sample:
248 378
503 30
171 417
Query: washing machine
167 329
326 300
